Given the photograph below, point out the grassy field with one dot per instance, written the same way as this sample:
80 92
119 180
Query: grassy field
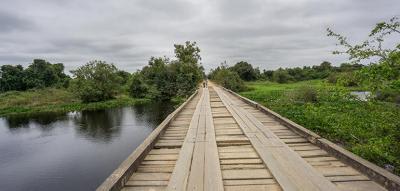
369 129
54 100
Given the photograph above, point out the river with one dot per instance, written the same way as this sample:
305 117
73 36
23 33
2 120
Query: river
72 151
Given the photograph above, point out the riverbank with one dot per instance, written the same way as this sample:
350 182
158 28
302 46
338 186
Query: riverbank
370 129
55 100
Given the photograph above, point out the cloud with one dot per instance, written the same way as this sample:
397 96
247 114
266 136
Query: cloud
268 34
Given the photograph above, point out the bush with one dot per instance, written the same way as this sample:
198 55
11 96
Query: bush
245 71
281 76
137 87
347 79
305 94
332 78
229 79
96 81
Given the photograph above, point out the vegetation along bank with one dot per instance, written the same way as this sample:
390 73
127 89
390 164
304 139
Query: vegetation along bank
44 87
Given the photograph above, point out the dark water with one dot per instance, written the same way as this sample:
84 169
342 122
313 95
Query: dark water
72 151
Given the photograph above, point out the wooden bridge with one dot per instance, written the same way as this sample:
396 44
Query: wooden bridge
218 140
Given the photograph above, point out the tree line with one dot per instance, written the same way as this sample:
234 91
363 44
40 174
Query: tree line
162 79
39 74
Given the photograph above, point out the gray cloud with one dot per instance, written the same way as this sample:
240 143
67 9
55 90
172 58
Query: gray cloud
268 34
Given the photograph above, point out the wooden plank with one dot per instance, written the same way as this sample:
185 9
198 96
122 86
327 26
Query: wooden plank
241 155
146 183
272 187
241 161
347 178
242 166
249 182
164 151
246 174
359 186
152 169
144 188
150 176
159 162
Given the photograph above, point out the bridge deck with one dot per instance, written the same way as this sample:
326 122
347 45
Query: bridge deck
219 142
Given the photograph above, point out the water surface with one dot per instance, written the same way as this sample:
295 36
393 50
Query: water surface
72 151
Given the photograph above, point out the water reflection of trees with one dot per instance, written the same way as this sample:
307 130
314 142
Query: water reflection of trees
100 125
43 120
153 113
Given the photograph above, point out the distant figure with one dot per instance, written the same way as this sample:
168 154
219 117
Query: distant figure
204 84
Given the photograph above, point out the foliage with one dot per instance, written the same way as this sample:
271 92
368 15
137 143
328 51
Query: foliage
245 71
137 86
227 78
39 74
369 129
379 75
322 71
11 78
347 79
372 47
95 81
304 94
124 75
165 79
281 76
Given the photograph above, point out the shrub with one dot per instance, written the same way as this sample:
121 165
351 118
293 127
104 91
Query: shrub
347 79
305 94
332 78
281 76
245 71
229 79
137 87
95 81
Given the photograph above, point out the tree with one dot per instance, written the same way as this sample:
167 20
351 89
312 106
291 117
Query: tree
167 78
227 78
281 76
378 75
372 47
137 86
188 53
41 74
267 74
96 81
187 68
124 75
11 78
245 71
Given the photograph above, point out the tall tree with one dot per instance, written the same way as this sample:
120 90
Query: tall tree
96 81
245 71
11 78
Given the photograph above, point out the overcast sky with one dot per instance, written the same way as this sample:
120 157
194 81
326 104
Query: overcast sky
266 33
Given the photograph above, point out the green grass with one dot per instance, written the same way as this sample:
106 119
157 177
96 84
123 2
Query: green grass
369 129
54 100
